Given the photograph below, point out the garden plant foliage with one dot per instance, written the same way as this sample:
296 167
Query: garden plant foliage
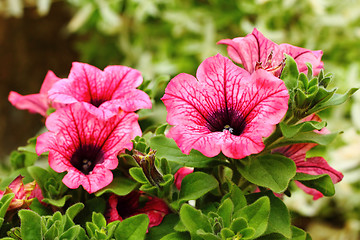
234 145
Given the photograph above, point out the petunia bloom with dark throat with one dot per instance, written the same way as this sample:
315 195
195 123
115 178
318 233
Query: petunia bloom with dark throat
103 93
226 109
86 146
257 52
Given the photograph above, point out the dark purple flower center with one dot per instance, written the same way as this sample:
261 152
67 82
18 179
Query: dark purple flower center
86 157
226 119
97 102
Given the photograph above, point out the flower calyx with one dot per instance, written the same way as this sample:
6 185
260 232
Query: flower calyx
147 164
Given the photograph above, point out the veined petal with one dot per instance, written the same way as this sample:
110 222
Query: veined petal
88 84
198 138
226 109
303 56
318 166
84 145
252 49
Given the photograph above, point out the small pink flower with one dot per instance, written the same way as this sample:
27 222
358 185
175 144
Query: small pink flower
102 93
122 207
255 51
24 194
180 174
312 166
225 109
86 146
36 103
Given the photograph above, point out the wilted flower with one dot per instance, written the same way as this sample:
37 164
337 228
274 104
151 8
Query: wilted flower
36 103
313 165
24 194
257 52
225 109
122 207
86 146
102 93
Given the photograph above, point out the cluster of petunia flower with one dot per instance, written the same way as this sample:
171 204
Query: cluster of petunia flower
229 109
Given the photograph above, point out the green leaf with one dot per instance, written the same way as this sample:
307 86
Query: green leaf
279 218
99 220
176 236
193 186
40 209
4 203
30 226
237 197
161 129
207 236
57 202
298 234
138 174
74 210
71 234
167 226
257 215
238 224
271 171
167 148
291 130
322 183
307 137
226 233
194 220
133 228
225 211
290 73
336 99
120 186
30 147
247 233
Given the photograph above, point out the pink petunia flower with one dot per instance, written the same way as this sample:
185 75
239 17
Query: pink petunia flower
180 174
24 194
86 146
257 52
225 109
313 165
102 93
36 103
122 207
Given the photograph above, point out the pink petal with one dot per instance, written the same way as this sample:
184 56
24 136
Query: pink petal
318 166
180 174
49 81
252 49
106 91
34 103
296 152
155 209
223 90
316 194
303 56
73 130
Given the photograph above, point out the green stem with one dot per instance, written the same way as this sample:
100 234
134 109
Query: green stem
274 136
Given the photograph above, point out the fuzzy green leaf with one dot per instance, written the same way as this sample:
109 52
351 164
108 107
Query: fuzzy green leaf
290 73
271 171
291 130
30 226
120 186
194 220
322 183
257 215
133 228
167 148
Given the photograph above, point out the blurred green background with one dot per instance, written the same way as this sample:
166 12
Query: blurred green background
166 37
